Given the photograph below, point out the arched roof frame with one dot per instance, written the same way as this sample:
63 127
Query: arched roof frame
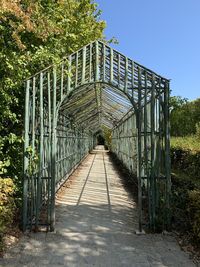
94 66
99 64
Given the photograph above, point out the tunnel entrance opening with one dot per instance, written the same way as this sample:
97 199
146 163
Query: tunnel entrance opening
96 95
100 140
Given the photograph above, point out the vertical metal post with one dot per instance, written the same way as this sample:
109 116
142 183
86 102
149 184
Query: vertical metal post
126 75
49 148
153 179
159 140
33 151
61 81
146 149
139 158
76 71
97 61
111 65
26 161
119 67
53 156
133 79
104 62
84 64
39 178
90 63
167 150
69 74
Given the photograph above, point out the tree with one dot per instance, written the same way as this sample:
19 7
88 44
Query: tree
184 116
35 34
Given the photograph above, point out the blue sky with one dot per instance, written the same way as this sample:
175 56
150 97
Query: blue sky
163 35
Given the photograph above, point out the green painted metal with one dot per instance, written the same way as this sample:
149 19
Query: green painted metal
26 180
69 104
139 149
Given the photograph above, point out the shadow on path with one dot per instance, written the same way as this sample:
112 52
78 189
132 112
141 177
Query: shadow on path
95 223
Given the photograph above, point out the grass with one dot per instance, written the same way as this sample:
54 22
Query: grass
191 143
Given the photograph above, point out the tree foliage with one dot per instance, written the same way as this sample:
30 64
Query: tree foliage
107 134
35 34
185 116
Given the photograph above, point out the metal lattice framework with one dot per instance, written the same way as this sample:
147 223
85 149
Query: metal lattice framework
68 104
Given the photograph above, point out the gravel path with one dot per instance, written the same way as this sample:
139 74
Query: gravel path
95 226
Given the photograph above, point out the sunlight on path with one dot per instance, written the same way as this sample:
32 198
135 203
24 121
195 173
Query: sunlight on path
96 221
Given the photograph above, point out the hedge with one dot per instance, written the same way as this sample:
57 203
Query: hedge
185 160
185 155
194 212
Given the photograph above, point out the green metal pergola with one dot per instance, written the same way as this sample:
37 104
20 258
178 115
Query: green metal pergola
67 105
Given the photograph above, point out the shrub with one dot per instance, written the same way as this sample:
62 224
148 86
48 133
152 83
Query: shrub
7 205
185 159
198 130
181 185
185 155
194 212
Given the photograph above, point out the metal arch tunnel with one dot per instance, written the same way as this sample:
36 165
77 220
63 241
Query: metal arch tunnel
93 90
